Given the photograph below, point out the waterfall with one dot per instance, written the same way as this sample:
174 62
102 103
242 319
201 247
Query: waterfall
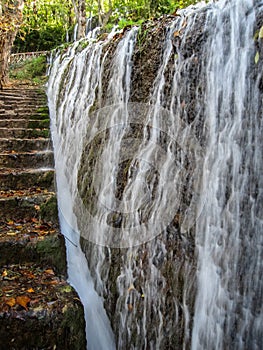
157 141
228 310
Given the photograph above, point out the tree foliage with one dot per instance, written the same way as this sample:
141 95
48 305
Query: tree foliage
48 23
45 24
10 20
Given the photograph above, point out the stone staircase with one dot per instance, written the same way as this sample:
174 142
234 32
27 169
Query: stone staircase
38 309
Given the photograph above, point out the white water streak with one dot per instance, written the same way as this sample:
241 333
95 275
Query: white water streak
224 312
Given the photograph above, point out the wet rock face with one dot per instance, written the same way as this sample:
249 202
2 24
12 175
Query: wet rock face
156 303
149 290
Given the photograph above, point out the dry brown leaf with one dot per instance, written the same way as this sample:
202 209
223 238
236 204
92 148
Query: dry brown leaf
53 282
31 290
131 288
11 233
11 302
4 273
28 274
50 272
23 300
34 220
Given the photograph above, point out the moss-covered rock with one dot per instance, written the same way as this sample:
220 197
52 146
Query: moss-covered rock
49 210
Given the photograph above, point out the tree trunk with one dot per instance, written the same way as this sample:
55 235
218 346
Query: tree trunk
80 12
6 42
10 20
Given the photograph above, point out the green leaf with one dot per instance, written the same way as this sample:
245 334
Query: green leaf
260 34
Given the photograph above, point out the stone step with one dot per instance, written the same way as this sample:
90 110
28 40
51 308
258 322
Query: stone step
39 310
24 145
22 95
24 204
23 133
22 102
33 116
19 109
12 179
24 123
32 240
34 160
14 99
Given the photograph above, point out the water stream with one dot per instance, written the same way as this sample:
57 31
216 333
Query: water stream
158 153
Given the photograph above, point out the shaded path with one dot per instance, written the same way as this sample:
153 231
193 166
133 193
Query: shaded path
36 303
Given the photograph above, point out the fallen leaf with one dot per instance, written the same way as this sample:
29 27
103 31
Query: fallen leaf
30 290
28 274
260 35
23 300
34 220
37 207
184 23
257 58
11 302
65 309
11 233
49 272
52 283
4 273
131 288
177 33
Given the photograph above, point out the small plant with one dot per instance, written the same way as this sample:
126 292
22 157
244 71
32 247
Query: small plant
33 69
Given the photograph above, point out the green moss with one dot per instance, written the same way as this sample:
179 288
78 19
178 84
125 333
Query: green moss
49 210
52 251
43 109
40 116
40 133
74 321
40 124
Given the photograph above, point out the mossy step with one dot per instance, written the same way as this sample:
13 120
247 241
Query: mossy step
21 102
24 145
27 160
17 98
33 116
18 111
32 240
23 133
22 94
11 179
34 203
7 105
42 306
25 107
24 123
29 104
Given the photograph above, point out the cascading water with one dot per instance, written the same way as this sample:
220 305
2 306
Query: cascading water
158 157
229 304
